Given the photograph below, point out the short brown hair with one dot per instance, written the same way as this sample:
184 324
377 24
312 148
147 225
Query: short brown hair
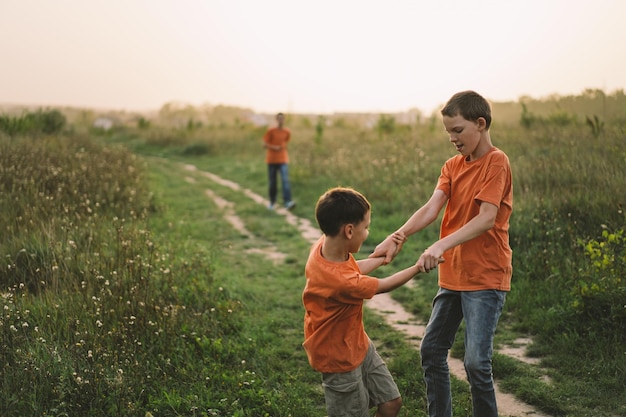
468 104
340 206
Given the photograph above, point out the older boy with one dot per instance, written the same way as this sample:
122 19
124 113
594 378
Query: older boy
354 376
476 188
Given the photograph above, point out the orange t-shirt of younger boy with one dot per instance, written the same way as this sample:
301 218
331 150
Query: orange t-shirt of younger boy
277 137
334 336
484 262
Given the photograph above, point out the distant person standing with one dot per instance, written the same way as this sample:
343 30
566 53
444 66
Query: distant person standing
275 142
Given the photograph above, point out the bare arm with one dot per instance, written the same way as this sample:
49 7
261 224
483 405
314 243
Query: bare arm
367 265
396 280
427 214
399 278
478 225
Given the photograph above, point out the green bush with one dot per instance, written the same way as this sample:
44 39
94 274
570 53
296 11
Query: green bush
197 149
386 124
595 124
559 118
600 294
46 122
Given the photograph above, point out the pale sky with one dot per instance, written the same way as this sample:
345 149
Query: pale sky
318 56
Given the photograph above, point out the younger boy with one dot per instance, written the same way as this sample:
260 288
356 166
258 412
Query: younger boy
354 376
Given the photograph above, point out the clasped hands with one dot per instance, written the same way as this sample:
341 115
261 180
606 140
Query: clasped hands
391 246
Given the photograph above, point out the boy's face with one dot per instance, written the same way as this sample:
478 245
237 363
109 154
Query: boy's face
360 232
464 134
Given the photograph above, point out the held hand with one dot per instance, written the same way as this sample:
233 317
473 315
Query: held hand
399 238
387 248
430 259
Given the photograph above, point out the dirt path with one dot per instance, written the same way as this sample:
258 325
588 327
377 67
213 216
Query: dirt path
394 314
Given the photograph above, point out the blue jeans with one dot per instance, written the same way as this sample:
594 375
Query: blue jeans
481 311
272 170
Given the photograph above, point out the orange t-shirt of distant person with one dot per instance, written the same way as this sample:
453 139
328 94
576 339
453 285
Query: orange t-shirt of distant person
334 336
277 137
485 261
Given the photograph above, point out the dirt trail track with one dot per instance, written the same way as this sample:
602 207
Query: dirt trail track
392 311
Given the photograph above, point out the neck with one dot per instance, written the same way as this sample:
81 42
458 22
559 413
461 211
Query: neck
483 148
334 251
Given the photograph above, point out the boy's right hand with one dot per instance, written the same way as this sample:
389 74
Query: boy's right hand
430 259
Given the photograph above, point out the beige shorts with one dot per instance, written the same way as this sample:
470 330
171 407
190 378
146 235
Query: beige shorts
352 394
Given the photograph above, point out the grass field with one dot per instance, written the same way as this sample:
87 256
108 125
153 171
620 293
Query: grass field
124 291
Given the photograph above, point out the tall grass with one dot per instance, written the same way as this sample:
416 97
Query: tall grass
97 319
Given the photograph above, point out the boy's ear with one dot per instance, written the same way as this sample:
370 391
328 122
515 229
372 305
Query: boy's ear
481 122
348 230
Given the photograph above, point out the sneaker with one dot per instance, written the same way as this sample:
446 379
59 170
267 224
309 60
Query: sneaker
290 204
270 206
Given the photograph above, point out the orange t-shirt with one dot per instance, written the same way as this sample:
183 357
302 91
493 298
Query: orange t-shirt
485 261
334 336
277 137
